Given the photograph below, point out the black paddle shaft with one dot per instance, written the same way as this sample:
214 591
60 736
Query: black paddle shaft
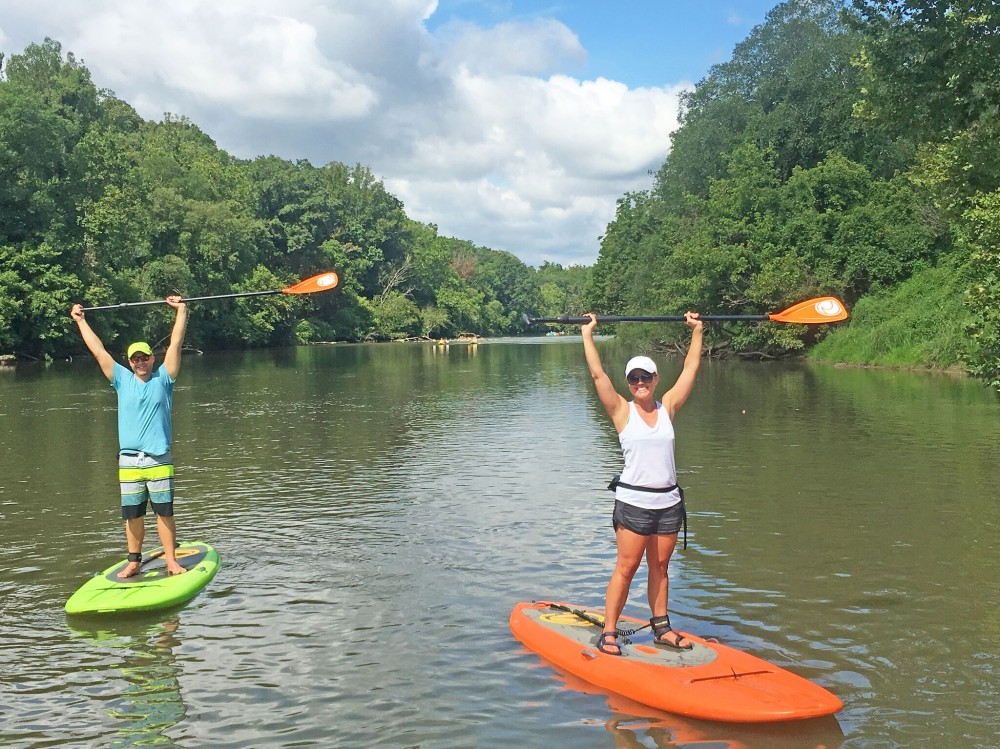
653 318
187 299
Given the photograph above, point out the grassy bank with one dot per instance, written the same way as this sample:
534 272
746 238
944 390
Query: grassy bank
920 323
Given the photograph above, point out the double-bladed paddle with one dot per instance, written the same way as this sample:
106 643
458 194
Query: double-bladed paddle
321 282
817 311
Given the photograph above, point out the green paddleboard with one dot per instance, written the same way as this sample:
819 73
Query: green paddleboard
152 589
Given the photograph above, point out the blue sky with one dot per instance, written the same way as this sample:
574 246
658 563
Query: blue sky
512 124
645 43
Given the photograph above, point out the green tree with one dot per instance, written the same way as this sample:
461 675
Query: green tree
267 321
35 298
561 290
510 287
620 270
396 317
981 234
463 305
790 89
64 85
856 233
432 318
928 66
33 142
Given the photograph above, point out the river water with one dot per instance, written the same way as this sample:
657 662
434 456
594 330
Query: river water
380 509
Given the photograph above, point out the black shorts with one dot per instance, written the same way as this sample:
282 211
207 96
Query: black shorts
163 509
665 522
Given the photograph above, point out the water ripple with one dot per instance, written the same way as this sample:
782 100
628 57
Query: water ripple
380 510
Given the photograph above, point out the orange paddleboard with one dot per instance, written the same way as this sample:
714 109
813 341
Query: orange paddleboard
711 681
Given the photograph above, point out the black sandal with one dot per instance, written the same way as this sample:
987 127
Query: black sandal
604 642
661 626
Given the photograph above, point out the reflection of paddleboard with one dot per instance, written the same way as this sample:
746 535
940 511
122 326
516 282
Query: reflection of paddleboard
711 681
153 588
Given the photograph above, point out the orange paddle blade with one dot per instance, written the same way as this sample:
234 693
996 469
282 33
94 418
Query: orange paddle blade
824 309
322 282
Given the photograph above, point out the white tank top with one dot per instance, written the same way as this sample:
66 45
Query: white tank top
649 460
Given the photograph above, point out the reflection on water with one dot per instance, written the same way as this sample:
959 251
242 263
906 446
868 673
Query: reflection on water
149 703
381 508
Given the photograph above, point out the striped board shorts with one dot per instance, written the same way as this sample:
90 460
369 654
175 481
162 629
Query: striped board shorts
144 478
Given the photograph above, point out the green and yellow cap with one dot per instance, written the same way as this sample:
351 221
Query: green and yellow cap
139 347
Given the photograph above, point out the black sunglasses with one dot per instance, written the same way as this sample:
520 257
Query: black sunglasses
634 378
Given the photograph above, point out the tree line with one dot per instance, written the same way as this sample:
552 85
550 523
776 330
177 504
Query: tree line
101 206
847 149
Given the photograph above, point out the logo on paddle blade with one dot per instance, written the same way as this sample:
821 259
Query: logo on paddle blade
829 308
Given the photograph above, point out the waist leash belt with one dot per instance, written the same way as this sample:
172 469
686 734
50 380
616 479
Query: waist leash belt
616 482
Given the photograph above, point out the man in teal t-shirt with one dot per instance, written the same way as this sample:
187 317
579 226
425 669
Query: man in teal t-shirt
145 465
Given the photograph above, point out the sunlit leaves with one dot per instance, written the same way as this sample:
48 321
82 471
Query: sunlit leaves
982 234
35 297
929 66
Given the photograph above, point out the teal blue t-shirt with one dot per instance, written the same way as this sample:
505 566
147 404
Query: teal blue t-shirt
143 410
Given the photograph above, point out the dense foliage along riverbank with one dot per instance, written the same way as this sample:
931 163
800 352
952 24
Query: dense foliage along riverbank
847 149
851 151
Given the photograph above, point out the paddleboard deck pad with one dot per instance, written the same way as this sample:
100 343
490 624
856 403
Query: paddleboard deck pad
150 590
710 682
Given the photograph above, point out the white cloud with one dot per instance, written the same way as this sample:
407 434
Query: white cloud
481 131
527 48
219 55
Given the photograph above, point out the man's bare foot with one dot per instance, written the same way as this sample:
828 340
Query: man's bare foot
131 569
175 569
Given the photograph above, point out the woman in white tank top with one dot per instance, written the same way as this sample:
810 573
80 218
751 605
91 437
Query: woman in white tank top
648 503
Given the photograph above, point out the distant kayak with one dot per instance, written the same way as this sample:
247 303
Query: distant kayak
153 588
711 681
